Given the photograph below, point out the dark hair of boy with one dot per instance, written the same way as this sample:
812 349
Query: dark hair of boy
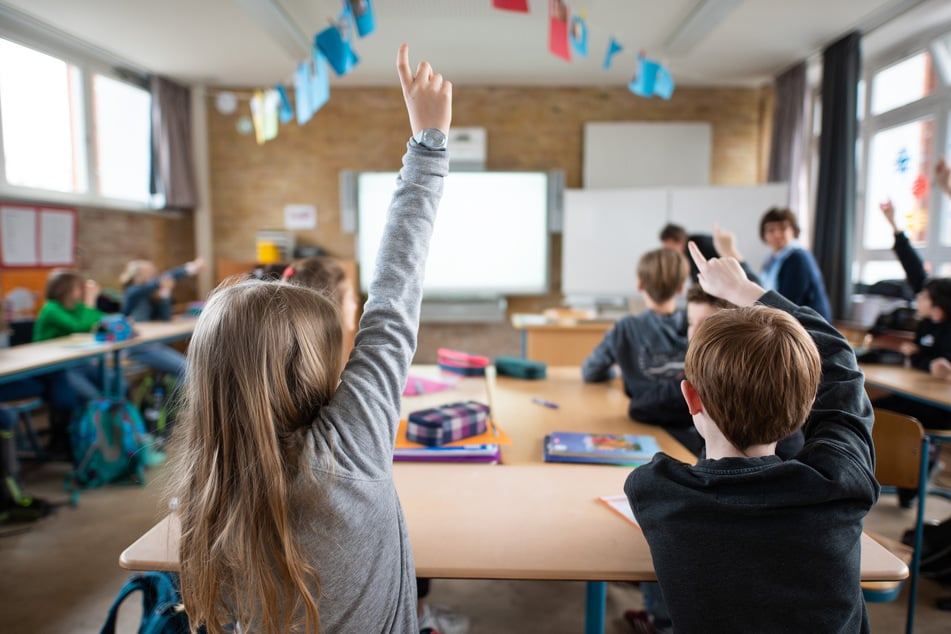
673 233
662 273
60 285
939 290
778 214
757 370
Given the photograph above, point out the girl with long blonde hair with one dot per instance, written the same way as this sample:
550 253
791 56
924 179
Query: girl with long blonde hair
290 521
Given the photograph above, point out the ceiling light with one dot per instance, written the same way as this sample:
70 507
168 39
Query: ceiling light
699 24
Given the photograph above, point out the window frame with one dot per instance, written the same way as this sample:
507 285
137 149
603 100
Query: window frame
25 31
936 105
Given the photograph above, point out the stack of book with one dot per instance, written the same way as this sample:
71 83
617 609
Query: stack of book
612 449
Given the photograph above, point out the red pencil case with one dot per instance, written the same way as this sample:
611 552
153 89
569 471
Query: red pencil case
461 362
446 423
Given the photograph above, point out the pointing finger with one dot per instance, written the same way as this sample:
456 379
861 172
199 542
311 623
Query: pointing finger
402 66
698 258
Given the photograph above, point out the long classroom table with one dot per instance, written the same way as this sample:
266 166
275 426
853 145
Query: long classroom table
32 359
524 519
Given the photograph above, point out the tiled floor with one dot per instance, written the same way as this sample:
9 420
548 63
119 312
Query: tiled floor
61 574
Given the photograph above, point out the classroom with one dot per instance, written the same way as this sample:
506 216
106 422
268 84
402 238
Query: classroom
281 130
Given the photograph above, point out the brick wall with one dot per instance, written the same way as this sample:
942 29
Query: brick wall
366 129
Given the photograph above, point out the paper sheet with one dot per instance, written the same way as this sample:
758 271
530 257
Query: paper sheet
620 505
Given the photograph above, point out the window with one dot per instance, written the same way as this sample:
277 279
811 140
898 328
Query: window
902 83
73 131
41 108
903 134
123 137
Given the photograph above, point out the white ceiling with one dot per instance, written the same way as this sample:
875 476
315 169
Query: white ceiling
224 43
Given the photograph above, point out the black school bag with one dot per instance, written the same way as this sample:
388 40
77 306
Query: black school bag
162 611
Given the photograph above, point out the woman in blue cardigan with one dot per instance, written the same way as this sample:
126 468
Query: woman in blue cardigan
791 270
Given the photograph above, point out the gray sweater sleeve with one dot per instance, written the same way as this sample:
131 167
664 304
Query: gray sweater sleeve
359 425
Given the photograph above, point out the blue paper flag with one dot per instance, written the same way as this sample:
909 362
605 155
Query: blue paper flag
285 112
651 79
362 11
319 80
614 47
302 93
334 43
578 35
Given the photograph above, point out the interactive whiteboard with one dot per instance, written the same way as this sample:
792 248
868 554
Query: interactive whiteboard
490 238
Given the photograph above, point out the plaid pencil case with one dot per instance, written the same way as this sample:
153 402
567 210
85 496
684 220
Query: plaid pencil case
446 423
521 368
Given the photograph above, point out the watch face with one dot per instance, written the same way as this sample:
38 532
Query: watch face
433 139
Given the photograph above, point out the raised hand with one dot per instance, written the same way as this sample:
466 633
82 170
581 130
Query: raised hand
91 293
725 278
725 243
888 210
194 266
428 96
942 175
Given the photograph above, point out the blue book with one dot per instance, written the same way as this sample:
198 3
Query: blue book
616 449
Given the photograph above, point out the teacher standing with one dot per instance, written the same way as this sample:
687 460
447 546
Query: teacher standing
790 270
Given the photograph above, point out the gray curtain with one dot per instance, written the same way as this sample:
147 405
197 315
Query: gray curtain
173 170
835 199
787 151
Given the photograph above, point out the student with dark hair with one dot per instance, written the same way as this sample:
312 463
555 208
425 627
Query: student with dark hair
791 270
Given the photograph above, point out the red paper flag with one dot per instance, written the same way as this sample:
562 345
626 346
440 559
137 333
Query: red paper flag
919 188
511 5
558 29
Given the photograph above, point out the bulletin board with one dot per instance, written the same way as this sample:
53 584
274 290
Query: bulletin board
36 236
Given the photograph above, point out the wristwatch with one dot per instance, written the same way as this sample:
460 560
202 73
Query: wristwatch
432 138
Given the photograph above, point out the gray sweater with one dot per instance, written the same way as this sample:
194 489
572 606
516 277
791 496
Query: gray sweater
352 523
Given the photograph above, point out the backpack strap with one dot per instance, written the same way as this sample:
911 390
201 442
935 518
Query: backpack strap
159 593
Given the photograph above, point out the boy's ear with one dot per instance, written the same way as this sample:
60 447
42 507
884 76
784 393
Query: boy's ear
694 404
938 314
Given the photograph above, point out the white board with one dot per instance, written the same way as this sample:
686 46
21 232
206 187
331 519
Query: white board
603 235
736 209
641 154
607 230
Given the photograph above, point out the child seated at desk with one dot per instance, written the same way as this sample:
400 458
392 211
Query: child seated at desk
147 296
290 519
649 348
744 541
68 310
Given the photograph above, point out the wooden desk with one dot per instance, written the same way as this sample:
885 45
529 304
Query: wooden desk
910 382
524 519
560 343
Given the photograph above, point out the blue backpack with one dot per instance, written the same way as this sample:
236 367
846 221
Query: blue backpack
109 443
162 611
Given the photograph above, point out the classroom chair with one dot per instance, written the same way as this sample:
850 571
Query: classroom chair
937 438
26 436
901 461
